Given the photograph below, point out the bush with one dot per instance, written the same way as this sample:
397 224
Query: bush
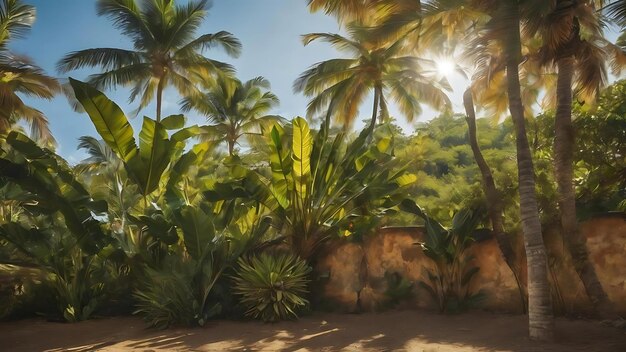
176 294
272 288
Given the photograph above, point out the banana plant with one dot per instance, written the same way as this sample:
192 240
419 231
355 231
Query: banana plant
449 282
146 161
318 186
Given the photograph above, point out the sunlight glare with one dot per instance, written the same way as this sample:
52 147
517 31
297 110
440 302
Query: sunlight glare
445 67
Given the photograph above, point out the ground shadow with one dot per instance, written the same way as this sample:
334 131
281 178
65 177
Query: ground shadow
394 330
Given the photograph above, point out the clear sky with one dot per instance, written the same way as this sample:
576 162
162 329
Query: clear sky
268 29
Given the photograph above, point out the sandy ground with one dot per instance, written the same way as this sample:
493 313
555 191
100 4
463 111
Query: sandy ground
390 331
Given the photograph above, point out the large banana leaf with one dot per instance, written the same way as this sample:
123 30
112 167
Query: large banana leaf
146 163
109 120
280 162
198 230
155 150
301 148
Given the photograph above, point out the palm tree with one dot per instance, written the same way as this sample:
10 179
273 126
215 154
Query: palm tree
506 29
580 62
234 109
165 49
19 76
496 24
340 85
495 208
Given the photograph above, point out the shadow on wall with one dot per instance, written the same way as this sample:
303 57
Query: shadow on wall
393 251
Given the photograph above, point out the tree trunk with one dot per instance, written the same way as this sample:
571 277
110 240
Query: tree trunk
494 202
231 146
540 316
159 97
564 143
377 93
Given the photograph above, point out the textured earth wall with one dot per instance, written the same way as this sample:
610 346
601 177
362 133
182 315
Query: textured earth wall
358 274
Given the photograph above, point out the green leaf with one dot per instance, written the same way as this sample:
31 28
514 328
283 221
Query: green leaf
174 122
156 151
198 230
108 118
406 179
302 146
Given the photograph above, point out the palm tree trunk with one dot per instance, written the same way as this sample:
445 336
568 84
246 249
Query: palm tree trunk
564 143
377 93
494 202
231 147
159 97
540 316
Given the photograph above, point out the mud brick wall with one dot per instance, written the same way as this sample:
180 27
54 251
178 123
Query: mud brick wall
356 271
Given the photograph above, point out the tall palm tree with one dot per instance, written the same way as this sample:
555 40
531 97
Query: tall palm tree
580 62
19 76
340 85
506 29
234 109
494 29
166 51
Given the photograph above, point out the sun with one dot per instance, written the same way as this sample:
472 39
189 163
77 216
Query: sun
445 67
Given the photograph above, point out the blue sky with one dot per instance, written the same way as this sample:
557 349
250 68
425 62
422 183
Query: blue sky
268 29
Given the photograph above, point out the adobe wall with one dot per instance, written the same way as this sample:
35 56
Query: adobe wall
356 271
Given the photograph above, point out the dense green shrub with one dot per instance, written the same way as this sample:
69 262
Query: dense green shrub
168 296
272 287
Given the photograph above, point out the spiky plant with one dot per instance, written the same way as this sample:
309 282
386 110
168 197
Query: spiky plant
272 288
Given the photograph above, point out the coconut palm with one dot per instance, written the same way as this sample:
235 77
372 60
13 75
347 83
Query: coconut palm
19 76
495 29
166 51
506 30
340 85
580 62
234 109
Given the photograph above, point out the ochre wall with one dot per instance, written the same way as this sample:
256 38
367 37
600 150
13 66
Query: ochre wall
356 271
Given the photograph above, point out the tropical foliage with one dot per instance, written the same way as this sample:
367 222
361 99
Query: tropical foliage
19 76
272 287
234 109
161 221
448 249
317 186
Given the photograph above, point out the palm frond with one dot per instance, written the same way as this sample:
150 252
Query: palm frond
16 19
223 39
338 41
105 58
127 16
617 11
121 76
185 21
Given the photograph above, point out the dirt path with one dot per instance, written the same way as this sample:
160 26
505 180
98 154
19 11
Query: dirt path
390 331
